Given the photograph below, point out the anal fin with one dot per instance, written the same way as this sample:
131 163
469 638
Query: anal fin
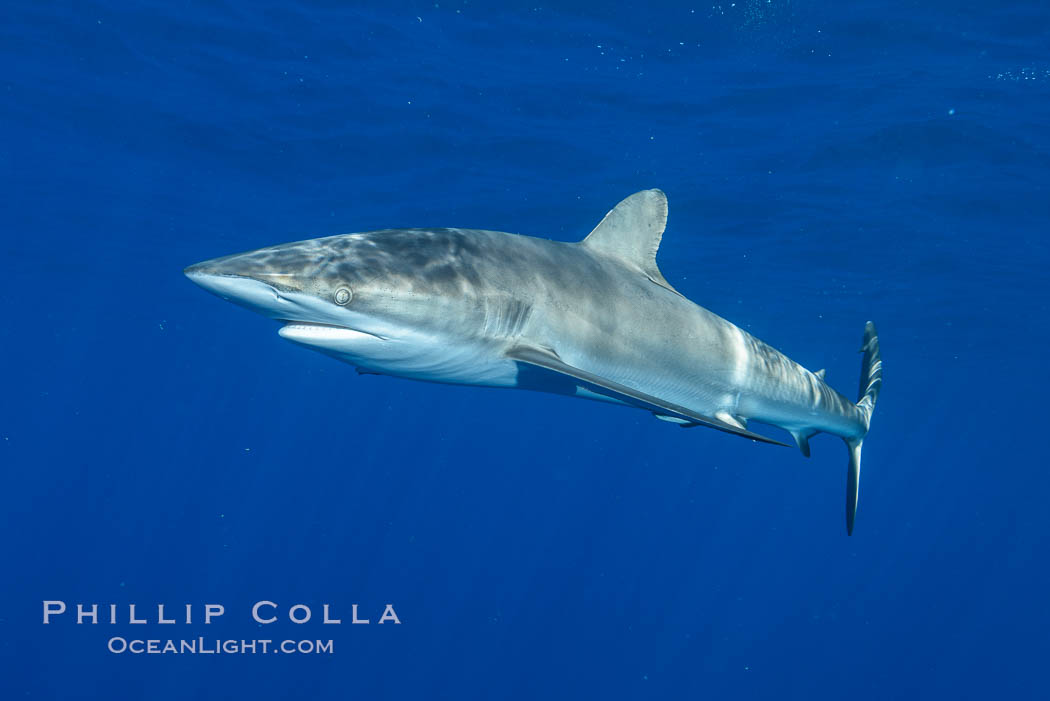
802 439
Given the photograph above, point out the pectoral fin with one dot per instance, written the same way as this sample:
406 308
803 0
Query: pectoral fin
549 360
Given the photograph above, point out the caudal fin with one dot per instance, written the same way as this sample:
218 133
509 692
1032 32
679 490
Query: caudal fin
870 372
870 384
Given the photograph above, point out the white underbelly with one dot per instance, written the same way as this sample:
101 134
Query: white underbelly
414 355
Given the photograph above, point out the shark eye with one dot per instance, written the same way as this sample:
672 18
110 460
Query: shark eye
343 296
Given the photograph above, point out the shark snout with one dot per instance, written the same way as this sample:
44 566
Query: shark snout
196 270
242 280
208 273
206 277
245 291
238 272
265 284
239 265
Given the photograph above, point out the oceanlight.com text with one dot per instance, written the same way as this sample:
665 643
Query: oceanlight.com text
214 646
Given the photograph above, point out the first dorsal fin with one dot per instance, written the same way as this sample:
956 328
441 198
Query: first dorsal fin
820 373
631 233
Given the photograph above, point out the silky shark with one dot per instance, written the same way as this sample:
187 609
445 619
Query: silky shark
594 319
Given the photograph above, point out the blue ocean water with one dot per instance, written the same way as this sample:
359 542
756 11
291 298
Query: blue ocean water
826 164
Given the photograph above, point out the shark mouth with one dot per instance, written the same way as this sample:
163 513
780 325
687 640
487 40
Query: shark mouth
323 334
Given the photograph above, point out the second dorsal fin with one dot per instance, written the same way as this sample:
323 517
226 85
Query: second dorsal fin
631 233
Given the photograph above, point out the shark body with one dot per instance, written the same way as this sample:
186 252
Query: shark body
594 319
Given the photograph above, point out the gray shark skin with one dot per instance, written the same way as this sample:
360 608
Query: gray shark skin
594 319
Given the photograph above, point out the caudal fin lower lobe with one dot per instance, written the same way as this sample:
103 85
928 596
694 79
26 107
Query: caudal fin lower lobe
870 384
